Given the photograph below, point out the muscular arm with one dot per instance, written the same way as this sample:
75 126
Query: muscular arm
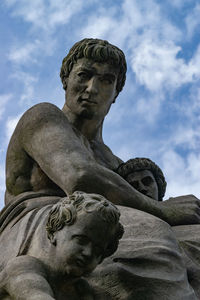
45 134
24 278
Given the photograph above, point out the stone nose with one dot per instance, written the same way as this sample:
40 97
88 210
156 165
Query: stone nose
87 250
92 86
141 187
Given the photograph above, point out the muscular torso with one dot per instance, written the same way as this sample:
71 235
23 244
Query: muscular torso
23 173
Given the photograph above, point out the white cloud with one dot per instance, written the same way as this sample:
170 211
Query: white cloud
99 27
137 21
179 3
187 137
149 107
28 86
182 174
62 11
157 67
189 106
43 14
181 159
24 54
31 11
192 21
4 99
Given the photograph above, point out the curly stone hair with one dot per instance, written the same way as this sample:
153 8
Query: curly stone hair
140 164
66 211
99 51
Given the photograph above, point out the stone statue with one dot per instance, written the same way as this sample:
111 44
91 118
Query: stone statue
145 176
54 152
71 238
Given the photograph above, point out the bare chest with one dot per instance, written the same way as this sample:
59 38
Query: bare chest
104 156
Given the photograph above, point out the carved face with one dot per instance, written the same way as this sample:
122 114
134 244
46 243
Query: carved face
144 182
79 247
91 89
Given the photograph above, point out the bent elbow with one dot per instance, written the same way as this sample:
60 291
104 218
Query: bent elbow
79 180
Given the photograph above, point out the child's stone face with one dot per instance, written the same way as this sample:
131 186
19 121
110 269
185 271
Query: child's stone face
144 182
80 246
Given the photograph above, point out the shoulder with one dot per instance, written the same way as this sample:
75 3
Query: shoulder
24 264
18 266
36 117
41 111
43 106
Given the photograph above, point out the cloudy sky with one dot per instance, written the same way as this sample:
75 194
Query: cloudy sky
157 115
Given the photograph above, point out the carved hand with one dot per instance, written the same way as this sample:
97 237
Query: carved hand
181 210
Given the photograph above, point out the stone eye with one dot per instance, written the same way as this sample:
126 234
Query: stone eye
98 251
83 75
147 180
107 80
82 240
135 184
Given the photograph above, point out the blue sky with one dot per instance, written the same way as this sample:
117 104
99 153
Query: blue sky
157 115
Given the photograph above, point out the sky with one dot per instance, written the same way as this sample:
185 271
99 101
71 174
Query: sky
157 115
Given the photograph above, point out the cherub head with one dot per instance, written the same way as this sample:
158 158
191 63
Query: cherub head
83 229
145 176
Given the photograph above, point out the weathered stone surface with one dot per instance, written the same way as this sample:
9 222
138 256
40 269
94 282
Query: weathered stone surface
54 153
148 263
45 251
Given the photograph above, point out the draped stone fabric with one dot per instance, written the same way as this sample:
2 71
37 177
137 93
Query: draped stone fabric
189 240
19 221
148 264
153 260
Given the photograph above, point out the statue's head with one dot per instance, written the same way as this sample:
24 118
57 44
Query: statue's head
83 229
145 176
99 51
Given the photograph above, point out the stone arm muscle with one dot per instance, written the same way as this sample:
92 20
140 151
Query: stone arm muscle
64 155
24 279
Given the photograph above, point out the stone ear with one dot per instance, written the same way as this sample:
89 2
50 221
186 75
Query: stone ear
116 94
53 240
65 83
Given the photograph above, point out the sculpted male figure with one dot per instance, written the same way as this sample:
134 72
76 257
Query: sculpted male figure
62 151
52 153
